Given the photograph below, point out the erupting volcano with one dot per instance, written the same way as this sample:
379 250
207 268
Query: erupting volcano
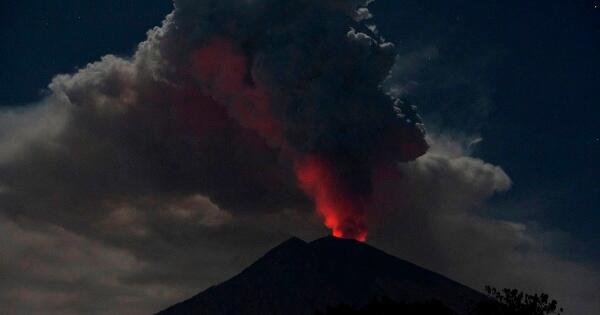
320 111
300 278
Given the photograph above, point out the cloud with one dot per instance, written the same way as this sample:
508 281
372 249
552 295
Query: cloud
36 125
433 217
224 110
46 269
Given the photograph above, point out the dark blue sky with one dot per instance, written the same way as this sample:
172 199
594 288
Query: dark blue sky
536 65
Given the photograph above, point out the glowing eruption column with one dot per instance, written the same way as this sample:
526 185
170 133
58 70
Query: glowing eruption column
342 211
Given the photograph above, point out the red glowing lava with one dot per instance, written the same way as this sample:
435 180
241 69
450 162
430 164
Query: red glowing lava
341 209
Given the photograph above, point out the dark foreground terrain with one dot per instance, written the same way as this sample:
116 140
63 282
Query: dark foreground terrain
297 277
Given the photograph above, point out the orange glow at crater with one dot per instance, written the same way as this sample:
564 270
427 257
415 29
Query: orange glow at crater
341 209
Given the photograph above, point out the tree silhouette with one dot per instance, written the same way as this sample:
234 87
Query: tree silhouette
500 302
514 302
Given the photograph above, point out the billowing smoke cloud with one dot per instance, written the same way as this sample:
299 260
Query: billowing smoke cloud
231 99
309 90
175 168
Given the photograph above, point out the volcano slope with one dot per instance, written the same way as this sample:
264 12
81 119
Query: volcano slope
300 278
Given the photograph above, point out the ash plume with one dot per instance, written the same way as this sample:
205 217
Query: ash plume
309 89
242 101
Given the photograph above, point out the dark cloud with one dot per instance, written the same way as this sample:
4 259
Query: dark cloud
49 270
158 175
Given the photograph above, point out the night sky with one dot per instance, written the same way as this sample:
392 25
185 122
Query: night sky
519 80
539 67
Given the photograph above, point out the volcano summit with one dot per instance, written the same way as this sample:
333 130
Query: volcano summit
299 278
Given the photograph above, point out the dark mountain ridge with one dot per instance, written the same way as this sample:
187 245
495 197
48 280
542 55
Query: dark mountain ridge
300 278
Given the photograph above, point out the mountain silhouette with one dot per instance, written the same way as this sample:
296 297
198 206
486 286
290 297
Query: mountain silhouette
299 278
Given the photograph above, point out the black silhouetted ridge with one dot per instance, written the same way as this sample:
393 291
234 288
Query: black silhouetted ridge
297 277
